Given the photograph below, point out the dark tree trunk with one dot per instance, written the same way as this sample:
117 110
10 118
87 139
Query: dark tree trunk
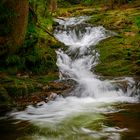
17 24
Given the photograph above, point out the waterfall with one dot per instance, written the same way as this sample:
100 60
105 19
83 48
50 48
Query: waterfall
76 62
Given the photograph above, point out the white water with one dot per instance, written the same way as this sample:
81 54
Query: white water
90 93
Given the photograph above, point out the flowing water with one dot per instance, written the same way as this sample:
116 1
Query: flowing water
94 109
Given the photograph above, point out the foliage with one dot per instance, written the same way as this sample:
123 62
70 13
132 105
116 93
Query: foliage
88 2
37 54
37 50
63 3
13 60
137 20
36 59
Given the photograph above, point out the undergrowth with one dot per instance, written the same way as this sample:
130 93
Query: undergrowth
37 54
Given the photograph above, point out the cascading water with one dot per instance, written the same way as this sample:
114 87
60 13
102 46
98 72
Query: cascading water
79 114
76 63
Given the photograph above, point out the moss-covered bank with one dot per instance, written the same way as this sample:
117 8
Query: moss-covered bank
15 88
22 90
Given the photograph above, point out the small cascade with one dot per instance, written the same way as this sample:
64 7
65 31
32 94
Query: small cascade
90 95
81 56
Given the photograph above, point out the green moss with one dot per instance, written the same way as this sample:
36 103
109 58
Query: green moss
24 86
118 56
137 21
48 78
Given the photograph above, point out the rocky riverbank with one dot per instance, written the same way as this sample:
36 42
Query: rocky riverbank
20 91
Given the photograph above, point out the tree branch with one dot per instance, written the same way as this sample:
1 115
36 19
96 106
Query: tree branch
45 30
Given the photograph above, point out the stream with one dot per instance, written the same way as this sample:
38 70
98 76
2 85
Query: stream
94 109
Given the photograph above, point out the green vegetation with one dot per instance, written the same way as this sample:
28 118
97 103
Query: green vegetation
22 90
24 85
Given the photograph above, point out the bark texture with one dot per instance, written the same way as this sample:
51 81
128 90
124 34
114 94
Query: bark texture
17 23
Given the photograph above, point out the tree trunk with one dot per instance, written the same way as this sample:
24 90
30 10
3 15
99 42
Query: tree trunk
17 22
53 5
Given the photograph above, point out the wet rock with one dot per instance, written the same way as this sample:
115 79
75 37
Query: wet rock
130 86
40 103
40 85
45 88
52 96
